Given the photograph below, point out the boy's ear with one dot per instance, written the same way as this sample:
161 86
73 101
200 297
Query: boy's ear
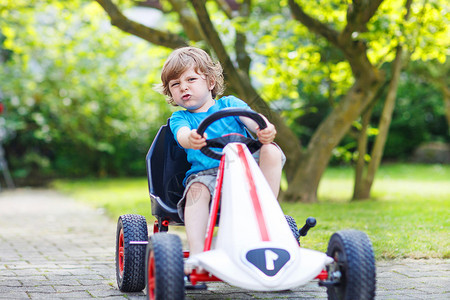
212 84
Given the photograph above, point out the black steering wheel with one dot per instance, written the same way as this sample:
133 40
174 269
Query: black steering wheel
220 142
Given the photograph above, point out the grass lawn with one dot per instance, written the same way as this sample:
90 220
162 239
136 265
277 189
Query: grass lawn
408 215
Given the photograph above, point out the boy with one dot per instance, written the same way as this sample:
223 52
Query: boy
191 79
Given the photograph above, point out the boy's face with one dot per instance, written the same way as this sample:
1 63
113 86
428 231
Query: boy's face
192 91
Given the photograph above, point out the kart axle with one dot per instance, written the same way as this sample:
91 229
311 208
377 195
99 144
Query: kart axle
194 277
138 242
323 275
328 284
196 287
335 278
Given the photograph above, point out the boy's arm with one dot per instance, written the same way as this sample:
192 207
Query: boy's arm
265 136
190 139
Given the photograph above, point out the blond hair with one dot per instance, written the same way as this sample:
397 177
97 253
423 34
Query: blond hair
184 58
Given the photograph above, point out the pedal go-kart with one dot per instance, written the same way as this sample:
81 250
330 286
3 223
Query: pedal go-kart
256 246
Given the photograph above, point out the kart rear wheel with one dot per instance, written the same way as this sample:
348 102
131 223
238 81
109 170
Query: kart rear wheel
293 226
353 267
165 267
130 258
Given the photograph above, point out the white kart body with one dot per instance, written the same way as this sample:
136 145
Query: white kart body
254 247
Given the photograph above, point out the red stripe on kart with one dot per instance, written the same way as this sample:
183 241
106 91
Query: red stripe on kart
254 195
214 206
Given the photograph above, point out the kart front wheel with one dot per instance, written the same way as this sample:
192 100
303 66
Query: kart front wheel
353 270
165 267
130 257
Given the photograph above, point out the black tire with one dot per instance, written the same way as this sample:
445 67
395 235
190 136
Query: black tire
130 258
165 267
293 226
354 266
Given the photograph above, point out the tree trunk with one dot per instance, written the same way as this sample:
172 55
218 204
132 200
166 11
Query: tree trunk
383 127
306 179
315 159
363 185
446 96
362 150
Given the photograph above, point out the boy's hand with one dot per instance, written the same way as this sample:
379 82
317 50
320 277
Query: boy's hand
196 141
267 135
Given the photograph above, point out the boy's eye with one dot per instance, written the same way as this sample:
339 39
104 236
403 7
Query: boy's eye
174 84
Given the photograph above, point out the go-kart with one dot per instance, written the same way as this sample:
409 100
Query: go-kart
255 247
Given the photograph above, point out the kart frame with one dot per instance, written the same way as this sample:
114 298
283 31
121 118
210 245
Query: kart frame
346 275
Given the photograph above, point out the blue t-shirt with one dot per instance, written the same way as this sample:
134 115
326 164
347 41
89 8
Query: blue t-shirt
219 128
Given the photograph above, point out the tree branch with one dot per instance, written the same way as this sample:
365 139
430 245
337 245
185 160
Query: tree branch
187 20
243 87
242 57
214 40
358 14
151 35
149 3
225 7
314 25
232 10
355 51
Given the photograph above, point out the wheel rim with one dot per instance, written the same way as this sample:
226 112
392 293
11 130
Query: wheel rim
339 265
121 252
151 282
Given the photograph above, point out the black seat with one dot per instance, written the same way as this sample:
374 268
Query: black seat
166 168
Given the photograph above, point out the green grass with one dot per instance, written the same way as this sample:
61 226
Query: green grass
116 196
408 215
